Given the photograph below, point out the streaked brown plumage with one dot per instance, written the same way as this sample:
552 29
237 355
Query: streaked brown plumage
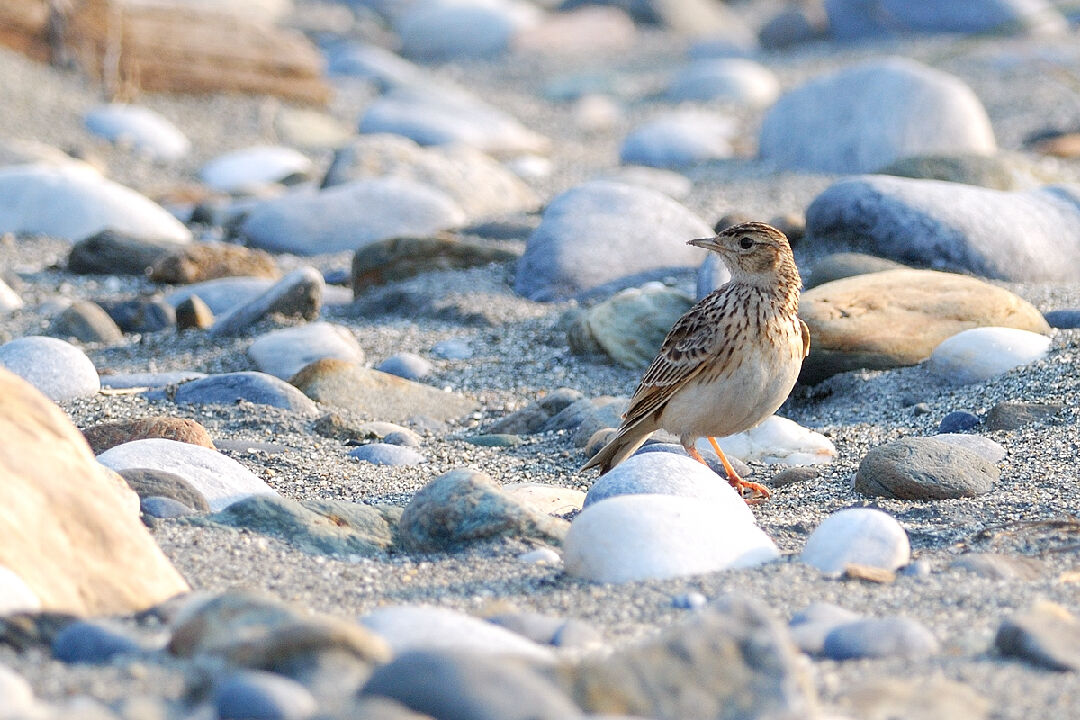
730 361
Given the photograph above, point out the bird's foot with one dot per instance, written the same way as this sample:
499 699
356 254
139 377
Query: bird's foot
752 493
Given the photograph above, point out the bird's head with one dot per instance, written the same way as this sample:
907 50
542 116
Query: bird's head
754 252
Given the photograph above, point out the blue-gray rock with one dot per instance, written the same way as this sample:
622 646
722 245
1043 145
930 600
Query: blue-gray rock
860 119
255 695
917 468
952 226
810 626
532 418
148 380
251 169
598 232
406 365
367 61
164 507
1015 415
442 116
141 315
349 216
692 600
453 349
1046 635
469 686
387 454
792 26
840 265
696 18
712 274
283 353
465 506
149 483
73 203
958 421
253 387
443 32
86 322
145 131
729 79
678 139
858 20
223 294
93 642
300 293
879 638
58 369
1063 319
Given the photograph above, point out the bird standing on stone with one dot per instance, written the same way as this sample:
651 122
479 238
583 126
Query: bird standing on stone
730 361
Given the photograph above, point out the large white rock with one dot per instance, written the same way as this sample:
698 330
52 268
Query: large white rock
653 537
776 440
72 202
58 369
862 536
146 131
249 169
285 352
981 353
666 473
221 480
16 595
406 627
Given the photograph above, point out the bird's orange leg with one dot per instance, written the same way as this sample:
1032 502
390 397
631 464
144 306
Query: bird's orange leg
760 492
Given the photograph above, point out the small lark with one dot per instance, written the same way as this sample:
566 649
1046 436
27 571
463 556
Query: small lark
730 361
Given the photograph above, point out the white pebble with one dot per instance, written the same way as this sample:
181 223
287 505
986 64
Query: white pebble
981 353
858 535
776 441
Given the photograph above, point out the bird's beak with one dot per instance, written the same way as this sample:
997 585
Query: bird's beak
705 243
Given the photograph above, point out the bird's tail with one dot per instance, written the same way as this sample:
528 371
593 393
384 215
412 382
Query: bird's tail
620 447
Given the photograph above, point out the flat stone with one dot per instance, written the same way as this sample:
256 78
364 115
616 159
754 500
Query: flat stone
165 485
200 262
950 226
851 20
103 436
858 535
283 353
409 366
349 216
924 469
147 132
880 638
111 253
859 119
655 537
1046 635
299 293
385 261
221 480
1015 415
223 294
462 507
979 354
72 203
378 395
250 169
630 326
897 317
83 548
120 381
598 232
58 369
253 387
678 139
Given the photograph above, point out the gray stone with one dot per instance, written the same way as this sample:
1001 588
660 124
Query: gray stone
1046 635
792 26
367 61
162 484
1063 319
93 642
982 446
86 322
349 216
387 454
1015 415
837 266
409 366
331 529
957 421
299 293
148 380
465 506
254 695
856 20
810 626
548 629
531 418
678 139
630 326
140 128
443 116
479 185
859 119
73 203
469 686
999 567
924 469
163 508
58 369
599 232
441 32
951 226
140 315
879 638
385 261
731 661
733 80
223 294
254 387
283 353
111 253
586 416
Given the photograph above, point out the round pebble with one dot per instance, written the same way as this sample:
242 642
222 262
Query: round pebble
860 536
386 454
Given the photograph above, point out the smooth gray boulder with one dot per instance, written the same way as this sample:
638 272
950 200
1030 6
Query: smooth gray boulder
858 19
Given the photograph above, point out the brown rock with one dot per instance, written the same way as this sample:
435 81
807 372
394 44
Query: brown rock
67 531
109 253
87 322
389 260
196 263
106 435
897 317
378 395
194 314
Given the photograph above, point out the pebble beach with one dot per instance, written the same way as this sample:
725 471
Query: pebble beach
334 544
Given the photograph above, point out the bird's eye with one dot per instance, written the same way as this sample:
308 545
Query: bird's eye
746 243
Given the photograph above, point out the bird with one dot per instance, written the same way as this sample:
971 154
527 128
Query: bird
729 362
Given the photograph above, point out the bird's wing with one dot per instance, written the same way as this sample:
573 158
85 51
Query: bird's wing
683 355
805 338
